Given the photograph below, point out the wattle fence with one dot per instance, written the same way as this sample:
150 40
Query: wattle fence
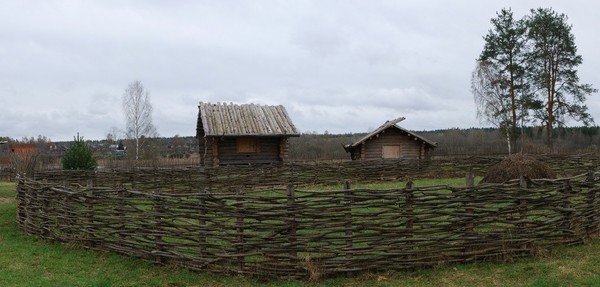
7 173
251 223
311 173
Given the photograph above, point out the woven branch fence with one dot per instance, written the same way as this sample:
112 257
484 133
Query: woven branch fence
304 174
7 173
172 216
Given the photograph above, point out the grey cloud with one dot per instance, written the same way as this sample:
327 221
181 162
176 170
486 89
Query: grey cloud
341 66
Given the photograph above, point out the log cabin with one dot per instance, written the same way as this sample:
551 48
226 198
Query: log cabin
243 134
391 141
4 158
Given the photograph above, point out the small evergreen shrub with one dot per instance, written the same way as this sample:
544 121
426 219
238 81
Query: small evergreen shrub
79 156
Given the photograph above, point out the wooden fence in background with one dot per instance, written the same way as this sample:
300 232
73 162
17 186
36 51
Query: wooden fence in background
174 216
304 174
330 172
127 163
7 173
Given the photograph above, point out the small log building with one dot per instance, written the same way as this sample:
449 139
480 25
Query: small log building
4 158
243 134
8 150
391 141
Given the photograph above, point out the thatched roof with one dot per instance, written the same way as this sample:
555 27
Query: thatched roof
223 119
385 126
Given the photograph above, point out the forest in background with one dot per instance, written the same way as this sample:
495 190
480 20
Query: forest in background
319 147
458 142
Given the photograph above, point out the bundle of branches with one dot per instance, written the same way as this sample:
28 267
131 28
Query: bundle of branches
25 164
516 165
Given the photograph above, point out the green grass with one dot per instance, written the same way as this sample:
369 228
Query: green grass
7 190
28 261
456 182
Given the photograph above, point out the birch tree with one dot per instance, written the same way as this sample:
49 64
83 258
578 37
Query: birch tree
501 70
138 113
490 93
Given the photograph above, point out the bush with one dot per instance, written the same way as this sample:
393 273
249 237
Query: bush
26 163
79 156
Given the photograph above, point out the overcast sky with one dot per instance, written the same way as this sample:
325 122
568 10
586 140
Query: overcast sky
337 66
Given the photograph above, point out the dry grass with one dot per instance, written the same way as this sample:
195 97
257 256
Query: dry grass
6 200
516 165
315 272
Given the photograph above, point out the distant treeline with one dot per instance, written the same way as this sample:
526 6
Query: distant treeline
312 146
472 141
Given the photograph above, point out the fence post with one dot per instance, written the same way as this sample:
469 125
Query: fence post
469 205
42 195
202 224
348 217
70 219
158 240
410 219
120 208
292 223
133 178
27 202
522 224
91 232
592 226
568 232
22 194
173 183
240 229
469 214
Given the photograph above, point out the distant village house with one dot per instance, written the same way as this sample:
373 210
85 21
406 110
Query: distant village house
391 141
118 150
4 159
7 150
243 134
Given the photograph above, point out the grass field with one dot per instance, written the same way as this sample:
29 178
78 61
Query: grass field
28 261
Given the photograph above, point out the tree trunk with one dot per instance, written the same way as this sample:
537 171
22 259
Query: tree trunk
513 106
549 124
508 141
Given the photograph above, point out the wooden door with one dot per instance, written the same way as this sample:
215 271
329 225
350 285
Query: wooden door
390 151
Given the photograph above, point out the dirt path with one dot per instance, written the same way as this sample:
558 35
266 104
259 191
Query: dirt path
6 200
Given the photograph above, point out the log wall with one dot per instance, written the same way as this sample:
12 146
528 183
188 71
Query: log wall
410 148
268 151
216 151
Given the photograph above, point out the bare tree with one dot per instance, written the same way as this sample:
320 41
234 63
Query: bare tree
114 135
138 112
491 92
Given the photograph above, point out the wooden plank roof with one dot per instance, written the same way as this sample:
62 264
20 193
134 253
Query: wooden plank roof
385 126
222 119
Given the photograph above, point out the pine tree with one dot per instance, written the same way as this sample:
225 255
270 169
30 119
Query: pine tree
553 62
528 71
79 156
